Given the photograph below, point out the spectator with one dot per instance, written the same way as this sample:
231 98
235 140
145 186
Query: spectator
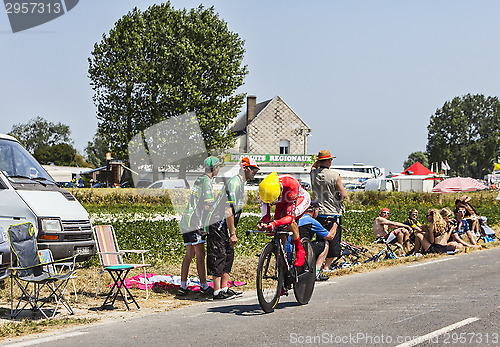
447 215
308 227
192 226
471 216
462 227
329 192
438 235
223 220
415 225
400 232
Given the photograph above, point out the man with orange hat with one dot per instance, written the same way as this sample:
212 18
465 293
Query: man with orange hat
329 192
223 220
291 201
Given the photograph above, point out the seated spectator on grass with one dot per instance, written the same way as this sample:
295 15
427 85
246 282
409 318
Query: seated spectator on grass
400 232
471 216
415 225
451 223
436 239
462 228
308 227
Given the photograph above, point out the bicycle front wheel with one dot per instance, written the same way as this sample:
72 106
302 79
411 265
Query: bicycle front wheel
269 278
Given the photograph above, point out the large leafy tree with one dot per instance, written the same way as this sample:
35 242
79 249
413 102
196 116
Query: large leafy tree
38 133
420 156
465 132
161 63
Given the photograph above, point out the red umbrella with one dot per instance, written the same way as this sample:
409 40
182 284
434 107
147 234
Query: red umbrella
458 184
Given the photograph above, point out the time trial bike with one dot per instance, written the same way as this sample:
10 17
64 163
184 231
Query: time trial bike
276 273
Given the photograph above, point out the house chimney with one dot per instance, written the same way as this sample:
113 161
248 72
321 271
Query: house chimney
251 107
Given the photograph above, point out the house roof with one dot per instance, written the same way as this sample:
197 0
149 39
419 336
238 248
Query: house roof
417 169
241 124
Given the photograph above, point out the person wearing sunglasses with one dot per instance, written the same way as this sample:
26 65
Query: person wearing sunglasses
400 232
461 228
436 239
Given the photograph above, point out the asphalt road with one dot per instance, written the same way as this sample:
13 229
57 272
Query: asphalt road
450 301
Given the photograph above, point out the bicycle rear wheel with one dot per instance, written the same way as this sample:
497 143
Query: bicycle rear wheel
306 275
269 278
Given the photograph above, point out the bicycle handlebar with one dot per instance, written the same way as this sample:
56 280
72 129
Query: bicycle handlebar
269 233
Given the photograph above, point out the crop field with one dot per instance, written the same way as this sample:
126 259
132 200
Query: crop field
145 220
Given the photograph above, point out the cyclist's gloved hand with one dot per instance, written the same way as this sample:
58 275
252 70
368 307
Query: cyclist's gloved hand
271 226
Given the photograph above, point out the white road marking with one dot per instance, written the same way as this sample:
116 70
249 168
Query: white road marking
47 339
430 262
441 331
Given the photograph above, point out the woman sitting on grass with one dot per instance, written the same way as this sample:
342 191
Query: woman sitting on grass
436 239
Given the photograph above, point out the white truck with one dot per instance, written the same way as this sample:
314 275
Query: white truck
29 194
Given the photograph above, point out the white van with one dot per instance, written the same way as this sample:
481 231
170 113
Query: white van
29 194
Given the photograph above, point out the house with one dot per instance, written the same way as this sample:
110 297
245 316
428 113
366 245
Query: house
270 127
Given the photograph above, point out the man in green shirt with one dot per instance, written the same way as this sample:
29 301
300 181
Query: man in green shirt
192 226
223 221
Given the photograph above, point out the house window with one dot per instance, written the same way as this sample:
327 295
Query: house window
284 147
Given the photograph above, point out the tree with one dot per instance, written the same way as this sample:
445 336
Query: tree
421 157
62 154
465 132
38 133
96 150
161 63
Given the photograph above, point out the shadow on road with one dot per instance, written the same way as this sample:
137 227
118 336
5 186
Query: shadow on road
248 310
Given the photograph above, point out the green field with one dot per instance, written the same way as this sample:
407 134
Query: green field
147 221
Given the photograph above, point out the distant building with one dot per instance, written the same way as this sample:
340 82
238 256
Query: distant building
270 127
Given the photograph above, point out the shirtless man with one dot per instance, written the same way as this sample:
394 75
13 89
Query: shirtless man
381 227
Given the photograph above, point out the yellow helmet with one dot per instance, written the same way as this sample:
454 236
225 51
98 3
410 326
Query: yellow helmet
270 188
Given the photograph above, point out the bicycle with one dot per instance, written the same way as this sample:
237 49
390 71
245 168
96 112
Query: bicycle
276 271
351 255
388 252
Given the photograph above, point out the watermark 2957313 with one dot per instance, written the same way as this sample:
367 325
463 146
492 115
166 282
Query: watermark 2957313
365 339
26 14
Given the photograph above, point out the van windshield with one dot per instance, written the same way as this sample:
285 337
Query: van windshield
16 163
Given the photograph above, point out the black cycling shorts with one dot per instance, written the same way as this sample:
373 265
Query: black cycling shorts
220 253
334 250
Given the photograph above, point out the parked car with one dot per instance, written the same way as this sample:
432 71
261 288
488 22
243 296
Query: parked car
29 194
169 184
67 185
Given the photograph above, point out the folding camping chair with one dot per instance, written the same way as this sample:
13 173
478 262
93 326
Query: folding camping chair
57 268
30 271
111 255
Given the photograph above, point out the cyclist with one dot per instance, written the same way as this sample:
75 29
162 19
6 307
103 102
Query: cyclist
291 201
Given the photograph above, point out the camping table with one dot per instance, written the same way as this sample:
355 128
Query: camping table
118 273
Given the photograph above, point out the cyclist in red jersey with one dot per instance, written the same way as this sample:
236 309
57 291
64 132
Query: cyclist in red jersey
291 201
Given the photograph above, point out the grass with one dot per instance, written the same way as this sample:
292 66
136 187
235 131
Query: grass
28 326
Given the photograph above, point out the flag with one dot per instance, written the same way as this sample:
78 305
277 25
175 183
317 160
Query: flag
443 166
497 167
447 165
432 167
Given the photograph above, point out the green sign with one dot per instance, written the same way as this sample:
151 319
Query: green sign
272 158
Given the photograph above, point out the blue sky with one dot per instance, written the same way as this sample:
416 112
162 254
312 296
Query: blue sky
364 75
